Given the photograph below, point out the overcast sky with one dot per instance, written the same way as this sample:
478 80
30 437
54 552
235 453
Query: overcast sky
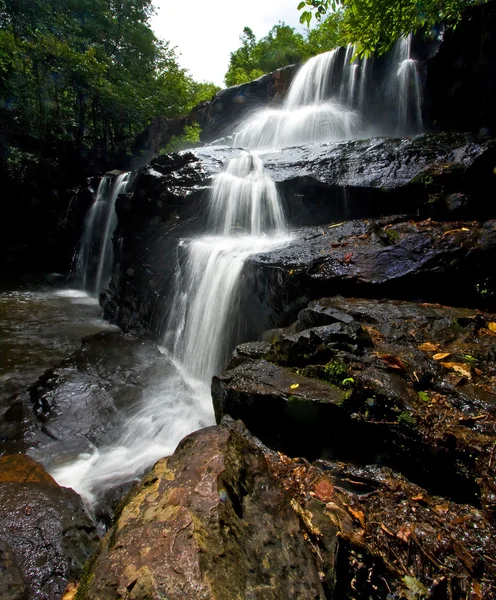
206 32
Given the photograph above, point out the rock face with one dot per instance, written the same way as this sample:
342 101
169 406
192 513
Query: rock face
460 78
108 376
444 176
379 258
46 534
404 392
233 104
208 522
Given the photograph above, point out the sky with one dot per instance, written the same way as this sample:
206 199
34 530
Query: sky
205 32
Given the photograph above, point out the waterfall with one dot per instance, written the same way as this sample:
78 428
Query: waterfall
308 114
404 90
331 99
94 261
246 217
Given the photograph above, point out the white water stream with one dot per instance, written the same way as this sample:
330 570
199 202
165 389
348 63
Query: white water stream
94 261
245 217
326 102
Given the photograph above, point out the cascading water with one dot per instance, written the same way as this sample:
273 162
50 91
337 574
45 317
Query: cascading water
94 262
245 212
245 217
308 113
331 99
404 89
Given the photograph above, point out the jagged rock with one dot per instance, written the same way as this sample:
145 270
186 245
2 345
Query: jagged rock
435 262
231 105
46 534
392 383
208 522
437 175
107 376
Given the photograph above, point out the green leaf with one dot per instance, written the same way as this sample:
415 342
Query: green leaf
301 5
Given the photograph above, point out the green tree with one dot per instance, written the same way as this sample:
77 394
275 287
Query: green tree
374 25
280 47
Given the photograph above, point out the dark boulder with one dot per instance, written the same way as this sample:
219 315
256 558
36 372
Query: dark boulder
390 383
46 534
436 262
208 522
428 175
84 400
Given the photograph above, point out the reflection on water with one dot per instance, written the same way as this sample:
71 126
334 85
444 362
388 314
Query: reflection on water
41 322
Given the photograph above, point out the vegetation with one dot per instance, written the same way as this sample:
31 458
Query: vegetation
282 46
84 74
374 25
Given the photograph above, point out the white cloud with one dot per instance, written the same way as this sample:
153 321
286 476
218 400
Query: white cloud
205 33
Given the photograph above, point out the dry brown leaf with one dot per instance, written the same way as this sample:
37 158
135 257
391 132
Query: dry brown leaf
429 347
442 509
404 533
476 591
323 490
460 368
465 557
392 361
358 515
492 326
70 592
441 355
418 498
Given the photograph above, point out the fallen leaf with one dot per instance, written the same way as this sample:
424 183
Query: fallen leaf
476 591
358 515
291 271
492 326
418 498
429 347
461 368
336 225
404 533
70 592
441 355
294 386
463 554
392 361
347 257
442 509
323 490
456 230
414 585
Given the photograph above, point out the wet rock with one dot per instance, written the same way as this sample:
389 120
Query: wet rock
230 106
376 535
412 386
439 262
84 400
208 522
444 175
46 534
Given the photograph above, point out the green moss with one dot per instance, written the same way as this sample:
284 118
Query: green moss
392 235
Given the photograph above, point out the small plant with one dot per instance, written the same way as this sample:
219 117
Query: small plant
392 235
469 359
407 418
424 396
348 382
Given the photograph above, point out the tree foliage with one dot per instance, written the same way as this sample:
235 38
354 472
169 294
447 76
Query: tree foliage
374 25
85 73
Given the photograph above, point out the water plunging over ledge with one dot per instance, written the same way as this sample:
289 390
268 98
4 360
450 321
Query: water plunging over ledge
94 261
244 218
332 98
